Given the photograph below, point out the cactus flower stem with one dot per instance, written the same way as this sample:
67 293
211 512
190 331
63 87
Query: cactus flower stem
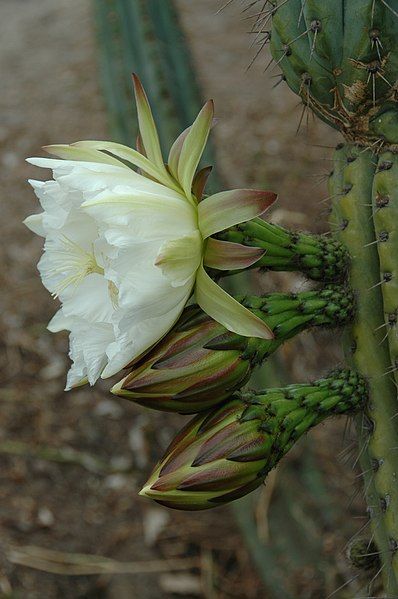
355 178
199 363
225 453
319 257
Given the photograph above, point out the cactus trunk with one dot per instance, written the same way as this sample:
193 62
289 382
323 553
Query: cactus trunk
341 58
354 179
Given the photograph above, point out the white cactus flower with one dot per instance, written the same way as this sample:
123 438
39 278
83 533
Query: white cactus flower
125 250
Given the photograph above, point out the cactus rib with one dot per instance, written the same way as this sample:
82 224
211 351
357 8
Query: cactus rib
385 216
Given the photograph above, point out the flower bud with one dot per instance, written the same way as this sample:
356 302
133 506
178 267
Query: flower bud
226 453
200 363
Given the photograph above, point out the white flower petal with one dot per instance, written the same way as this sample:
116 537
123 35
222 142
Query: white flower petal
60 165
147 215
56 203
59 322
87 351
34 222
143 290
154 303
91 301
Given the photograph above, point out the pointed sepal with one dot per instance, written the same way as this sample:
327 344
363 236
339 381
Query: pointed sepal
193 147
228 208
218 304
226 255
146 123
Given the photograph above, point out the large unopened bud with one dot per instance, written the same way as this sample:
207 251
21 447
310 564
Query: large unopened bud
226 453
200 363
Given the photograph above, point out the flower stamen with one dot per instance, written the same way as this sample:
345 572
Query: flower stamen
75 263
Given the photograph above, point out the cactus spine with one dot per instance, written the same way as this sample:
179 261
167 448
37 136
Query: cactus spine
341 58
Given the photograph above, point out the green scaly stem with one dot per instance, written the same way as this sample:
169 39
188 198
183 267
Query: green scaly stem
318 257
367 349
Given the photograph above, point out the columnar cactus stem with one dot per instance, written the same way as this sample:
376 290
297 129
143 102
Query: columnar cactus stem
318 257
341 59
367 348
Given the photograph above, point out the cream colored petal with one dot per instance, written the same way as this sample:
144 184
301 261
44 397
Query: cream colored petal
74 152
175 152
34 222
133 157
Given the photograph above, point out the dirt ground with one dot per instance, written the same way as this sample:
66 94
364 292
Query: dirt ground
71 464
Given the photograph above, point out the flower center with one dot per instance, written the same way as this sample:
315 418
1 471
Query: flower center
75 263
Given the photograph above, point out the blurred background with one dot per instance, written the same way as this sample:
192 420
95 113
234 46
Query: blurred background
72 524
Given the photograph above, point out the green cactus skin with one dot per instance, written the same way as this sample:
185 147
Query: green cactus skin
367 349
199 363
385 216
318 257
341 58
226 453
